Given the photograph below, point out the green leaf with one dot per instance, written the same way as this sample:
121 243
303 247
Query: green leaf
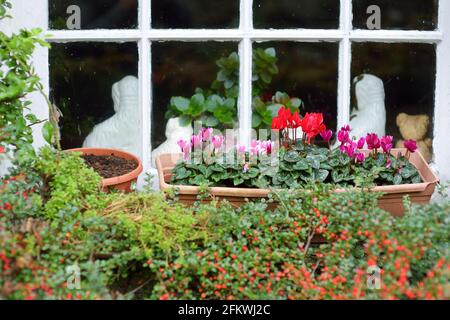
320 175
180 103
398 179
47 131
292 156
256 120
185 120
211 121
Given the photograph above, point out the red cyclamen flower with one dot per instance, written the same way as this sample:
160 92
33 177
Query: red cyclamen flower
361 143
312 125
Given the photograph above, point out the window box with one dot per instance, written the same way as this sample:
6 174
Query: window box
391 201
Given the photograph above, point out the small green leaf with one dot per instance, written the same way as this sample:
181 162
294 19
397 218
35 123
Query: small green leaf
47 132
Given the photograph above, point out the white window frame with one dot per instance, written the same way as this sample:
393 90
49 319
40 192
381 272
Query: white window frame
246 35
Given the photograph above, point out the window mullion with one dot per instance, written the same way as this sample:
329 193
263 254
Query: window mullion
344 82
442 105
245 73
145 74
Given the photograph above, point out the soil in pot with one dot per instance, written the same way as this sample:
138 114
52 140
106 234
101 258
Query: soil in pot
109 166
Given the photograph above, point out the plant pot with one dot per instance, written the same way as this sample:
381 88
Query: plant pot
121 183
391 201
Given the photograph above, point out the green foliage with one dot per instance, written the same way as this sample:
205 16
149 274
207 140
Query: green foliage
314 245
295 168
18 79
67 181
158 227
217 107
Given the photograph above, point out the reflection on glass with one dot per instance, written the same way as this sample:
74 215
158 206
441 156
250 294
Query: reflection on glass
408 73
308 71
92 83
194 72
319 14
195 14
98 14
398 14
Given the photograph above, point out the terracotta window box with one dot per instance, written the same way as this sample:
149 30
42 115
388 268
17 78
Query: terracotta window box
391 201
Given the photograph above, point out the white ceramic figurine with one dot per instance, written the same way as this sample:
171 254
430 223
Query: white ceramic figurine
121 131
174 132
371 114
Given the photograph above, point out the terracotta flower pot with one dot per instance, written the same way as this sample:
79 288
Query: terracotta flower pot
123 182
391 201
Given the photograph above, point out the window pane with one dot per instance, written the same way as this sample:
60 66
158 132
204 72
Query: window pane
319 14
195 14
408 74
98 14
95 86
398 14
308 71
189 71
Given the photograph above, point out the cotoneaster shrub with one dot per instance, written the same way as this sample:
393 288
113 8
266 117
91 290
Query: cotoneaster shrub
259 254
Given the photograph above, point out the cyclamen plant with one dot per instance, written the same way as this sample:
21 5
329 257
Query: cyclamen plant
297 161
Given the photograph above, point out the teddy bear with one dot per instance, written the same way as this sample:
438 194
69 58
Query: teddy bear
415 128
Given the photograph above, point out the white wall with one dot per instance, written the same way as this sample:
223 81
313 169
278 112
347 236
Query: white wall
31 14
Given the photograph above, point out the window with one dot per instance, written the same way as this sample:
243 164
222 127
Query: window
322 47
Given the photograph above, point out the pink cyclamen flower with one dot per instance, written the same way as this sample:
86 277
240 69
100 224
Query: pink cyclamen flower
217 141
343 136
182 144
327 135
206 133
346 128
241 148
411 145
360 157
196 140
388 162
361 143
373 142
387 143
266 146
246 168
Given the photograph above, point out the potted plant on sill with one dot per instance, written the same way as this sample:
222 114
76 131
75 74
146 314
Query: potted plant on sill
249 173
119 169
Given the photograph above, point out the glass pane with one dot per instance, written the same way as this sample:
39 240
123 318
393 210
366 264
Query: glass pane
308 71
195 14
195 73
89 14
95 87
280 14
398 14
408 75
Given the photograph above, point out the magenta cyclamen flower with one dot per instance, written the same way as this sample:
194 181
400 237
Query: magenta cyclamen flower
343 136
196 140
346 128
217 141
327 135
373 142
387 143
360 157
185 148
361 143
350 149
411 145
